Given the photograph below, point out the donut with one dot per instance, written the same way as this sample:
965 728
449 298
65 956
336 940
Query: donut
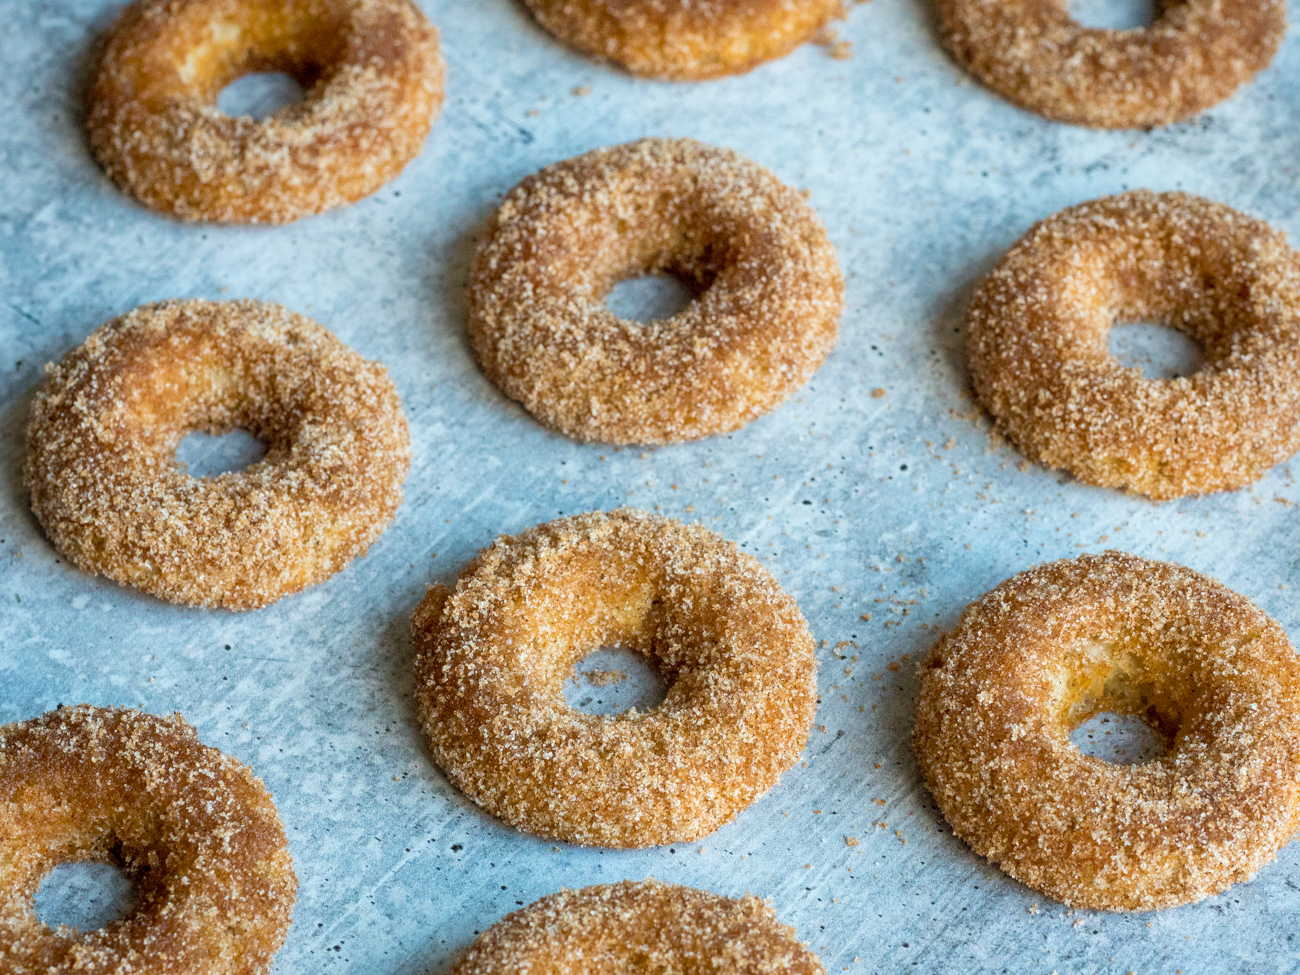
107 489
768 285
644 926
1037 328
686 40
492 657
1195 55
193 828
1215 677
373 74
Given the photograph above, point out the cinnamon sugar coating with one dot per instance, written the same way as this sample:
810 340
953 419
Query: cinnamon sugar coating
646 926
492 656
107 489
769 293
1195 55
686 40
1049 648
1037 329
374 78
195 830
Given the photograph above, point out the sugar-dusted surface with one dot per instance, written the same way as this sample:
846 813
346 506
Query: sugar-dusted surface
492 656
686 40
924 183
374 76
101 443
1195 54
1037 328
195 829
770 293
642 926
1049 648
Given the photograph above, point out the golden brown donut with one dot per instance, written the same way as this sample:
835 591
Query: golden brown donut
767 311
686 40
492 657
107 489
633 927
374 78
195 830
1051 647
1195 55
1037 328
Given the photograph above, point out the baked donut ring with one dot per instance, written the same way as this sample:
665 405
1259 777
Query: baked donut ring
1037 328
374 78
1195 55
195 830
686 40
643 926
768 282
107 489
1051 647
492 657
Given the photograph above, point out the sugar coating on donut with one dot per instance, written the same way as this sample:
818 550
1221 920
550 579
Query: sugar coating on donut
1037 329
373 72
1031 660
769 293
106 487
1195 55
493 655
194 829
643 926
686 40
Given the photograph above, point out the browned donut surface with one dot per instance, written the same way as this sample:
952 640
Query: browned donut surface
194 829
374 78
686 40
102 438
1195 55
769 293
1046 650
646 926
493 656
1037 340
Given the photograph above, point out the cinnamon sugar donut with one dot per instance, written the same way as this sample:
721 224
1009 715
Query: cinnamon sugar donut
194 829
492 657
374 79
686 40
1195 55
1048 649
1037 328
767 311
107 489
643 926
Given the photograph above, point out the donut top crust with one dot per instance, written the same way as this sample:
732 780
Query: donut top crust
686 40
104 428
1037 340
373 74
1047 649
195 829
493 655
645 926
767 312
1195 55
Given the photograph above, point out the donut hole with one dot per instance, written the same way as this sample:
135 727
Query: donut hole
260 94
615 680
205 454
1119 739
1160 351
85 895
1119 712
652 296
1116 14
